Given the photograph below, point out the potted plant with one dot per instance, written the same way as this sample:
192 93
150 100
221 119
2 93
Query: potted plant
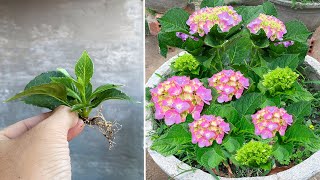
307 11
238 101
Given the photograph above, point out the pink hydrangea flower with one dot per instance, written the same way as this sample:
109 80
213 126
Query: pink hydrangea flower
285 43
270 120
201 21
228 84
208 128
184 36
272 26
179 96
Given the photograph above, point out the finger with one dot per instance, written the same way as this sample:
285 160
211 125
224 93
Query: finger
76 130
63 119
23 126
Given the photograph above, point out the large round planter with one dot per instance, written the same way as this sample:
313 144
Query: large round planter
309 13
175 168
244 2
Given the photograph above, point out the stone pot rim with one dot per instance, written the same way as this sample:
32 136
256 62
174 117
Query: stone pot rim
175 168
299 5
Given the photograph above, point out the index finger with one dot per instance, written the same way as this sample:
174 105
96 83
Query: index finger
23 126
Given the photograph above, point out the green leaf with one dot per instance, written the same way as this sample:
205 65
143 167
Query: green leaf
300 133
282 152
174 20
249 13
84 69
104 88
168 39
249 103
240 50
296 31
211 3
269 9
66 81
54 90
192 46
260 71
286 60
233 143
107 95
245 125
210 157
299 93
224 111
65 72
172 141
300 110
43 100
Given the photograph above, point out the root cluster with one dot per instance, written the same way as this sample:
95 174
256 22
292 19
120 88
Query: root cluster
107 128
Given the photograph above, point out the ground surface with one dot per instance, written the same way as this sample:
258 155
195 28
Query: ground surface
153 61
38 36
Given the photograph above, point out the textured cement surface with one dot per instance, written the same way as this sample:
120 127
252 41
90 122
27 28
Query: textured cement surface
41 35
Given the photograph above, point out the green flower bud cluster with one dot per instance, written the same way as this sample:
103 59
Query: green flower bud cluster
254 154
186 62
279 80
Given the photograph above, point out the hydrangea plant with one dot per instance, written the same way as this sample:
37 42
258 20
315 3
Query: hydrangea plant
254 154
54 88
259 105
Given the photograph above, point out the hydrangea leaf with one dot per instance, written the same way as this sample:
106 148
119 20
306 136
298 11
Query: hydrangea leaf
54 90
84 69
172 141
248 103
299 93
103 88
300 133
43 100
283 152
192 46
238 49
233 143
286 60
296 31
270 9
299 110
174 20
107 95
168 39
249 13
224 111
211 3
210 157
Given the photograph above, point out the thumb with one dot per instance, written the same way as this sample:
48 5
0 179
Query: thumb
62 119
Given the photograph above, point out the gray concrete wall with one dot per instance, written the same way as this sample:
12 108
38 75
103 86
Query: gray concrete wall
41 35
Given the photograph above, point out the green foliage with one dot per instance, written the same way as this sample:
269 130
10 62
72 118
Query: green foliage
56 88
211 3
186 65
279 80
254 154
172 141
210 157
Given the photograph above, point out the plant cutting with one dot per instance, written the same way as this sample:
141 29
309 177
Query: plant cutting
54 88
243 106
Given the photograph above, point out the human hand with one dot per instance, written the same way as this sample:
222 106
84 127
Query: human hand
37 147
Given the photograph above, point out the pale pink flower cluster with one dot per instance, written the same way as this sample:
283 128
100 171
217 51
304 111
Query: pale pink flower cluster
201 21
228 84
179 96
208 128
270 120
272 26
